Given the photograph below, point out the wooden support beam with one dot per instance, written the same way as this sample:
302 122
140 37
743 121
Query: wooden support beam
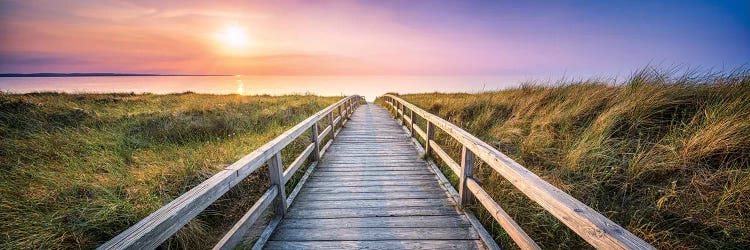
467 171
315 141
234 236
509 225
276 174
430 137
333 125
413 121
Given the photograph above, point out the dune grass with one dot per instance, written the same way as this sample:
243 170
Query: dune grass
77 169
666 157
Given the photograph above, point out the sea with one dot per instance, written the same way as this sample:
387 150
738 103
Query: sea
368 86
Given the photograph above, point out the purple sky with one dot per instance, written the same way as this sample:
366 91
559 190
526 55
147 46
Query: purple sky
578 38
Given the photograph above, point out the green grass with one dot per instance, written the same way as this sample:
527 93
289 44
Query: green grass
666 157
77 169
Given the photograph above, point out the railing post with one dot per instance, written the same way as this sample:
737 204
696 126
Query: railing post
430 136
276 173
400 113
403 112
316 141
333 126
412 116
341 117
348 108
352 105
467 171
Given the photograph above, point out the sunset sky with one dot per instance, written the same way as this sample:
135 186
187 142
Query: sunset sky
370 37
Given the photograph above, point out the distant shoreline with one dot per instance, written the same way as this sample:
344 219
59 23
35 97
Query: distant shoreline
92 74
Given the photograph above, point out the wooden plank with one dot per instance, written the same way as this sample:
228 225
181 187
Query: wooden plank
373 178
373 164
234 236
412 121
428 138
373 203
445 158
267 232
311 196
420 132
332 124
379 172
365 170
160 225
300 184
377 245
444 221
325 147
289 172
593 227
467 172
337 120
509 225
369 183
372 189
295 234
275 174
325 132
315 141
369 212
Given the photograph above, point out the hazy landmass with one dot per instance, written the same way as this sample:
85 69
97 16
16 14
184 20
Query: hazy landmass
93 74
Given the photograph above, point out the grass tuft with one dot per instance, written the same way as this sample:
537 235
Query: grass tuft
77 169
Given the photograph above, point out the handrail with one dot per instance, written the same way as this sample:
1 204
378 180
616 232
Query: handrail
157 227
593 227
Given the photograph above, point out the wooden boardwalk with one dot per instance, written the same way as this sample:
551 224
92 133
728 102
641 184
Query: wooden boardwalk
372 191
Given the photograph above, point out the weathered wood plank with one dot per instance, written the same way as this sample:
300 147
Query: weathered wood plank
234 236
276 177
325 132
295 234
369 183
371 164
317 204
413 171
445 158
309 196
373 178
378 245
369 212
444 221
294 166
509 225
365 170
467 172
372 189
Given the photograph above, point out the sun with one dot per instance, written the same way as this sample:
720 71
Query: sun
233 36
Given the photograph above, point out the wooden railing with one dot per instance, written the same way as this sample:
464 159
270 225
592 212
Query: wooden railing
151 231
593 227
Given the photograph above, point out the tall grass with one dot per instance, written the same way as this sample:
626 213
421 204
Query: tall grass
666 156
77 169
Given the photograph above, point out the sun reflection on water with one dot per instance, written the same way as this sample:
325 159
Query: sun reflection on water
240 87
